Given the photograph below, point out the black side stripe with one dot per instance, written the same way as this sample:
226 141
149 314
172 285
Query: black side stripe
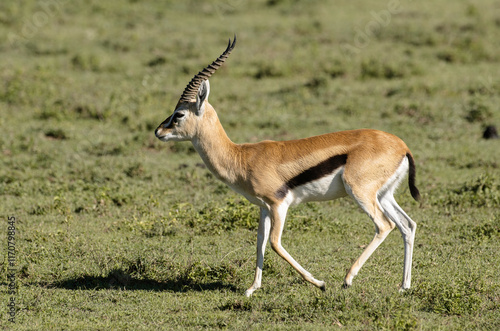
318 171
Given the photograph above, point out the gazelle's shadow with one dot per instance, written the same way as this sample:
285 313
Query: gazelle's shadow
119 279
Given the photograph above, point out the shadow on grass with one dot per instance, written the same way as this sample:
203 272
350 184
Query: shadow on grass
119 279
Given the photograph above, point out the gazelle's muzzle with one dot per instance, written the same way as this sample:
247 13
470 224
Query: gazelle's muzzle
159 132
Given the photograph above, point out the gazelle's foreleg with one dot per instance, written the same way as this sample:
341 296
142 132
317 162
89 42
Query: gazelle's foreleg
262 238
383 226
278 215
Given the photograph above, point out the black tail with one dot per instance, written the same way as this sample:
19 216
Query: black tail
411 178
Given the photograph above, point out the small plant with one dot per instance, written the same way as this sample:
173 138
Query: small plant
197 273
483 191
448 297
235 214
86 62
56 134
486 230
374 68
477 111
90 112
135 170
268 71
238 305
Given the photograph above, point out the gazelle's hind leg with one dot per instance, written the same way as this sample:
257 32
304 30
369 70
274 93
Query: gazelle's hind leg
407 227
396 214
383 226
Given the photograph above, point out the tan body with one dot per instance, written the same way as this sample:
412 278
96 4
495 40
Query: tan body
367 165
258 170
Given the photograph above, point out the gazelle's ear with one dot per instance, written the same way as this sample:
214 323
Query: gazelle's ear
202 96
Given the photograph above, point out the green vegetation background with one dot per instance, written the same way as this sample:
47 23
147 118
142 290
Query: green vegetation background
116 230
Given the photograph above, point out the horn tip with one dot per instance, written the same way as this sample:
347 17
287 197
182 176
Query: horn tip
234 41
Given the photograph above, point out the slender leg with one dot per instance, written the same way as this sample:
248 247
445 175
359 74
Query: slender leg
262 238
278 215
383 226
407 227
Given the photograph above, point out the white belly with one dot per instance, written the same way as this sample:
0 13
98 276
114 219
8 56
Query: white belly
329 187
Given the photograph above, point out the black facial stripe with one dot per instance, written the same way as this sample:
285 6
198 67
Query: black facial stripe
172 119
167 123
320 170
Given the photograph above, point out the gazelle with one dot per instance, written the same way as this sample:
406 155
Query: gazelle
367 165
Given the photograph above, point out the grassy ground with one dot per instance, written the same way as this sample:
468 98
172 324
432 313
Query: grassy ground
116 230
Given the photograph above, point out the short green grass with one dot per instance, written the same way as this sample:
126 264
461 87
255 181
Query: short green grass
116 230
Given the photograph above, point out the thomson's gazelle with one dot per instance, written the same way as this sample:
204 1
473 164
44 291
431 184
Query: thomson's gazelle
367 165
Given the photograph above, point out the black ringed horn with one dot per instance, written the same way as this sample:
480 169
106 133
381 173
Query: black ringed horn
192 88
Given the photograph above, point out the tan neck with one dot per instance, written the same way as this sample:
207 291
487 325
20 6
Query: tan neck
220 154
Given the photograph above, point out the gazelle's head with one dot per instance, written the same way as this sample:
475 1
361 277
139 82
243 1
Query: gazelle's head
187 117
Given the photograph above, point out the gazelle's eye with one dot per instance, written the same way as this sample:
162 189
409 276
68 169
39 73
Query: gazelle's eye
178 116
